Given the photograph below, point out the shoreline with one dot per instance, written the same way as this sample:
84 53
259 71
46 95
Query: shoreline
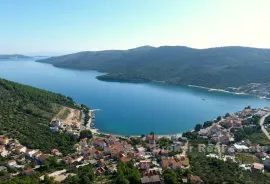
224 91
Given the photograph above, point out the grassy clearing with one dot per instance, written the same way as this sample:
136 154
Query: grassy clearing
63 114
247 158
259 138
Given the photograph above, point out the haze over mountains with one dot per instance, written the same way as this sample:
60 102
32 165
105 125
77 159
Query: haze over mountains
214 67
14 56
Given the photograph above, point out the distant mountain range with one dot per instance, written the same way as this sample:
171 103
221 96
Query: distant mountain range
214 67
14 56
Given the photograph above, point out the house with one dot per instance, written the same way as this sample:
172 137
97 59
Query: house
115 149
98 154
214 129
100 162
54 129
43 157
36 155
211 155
68 160
164 152
30 153
98 142
245 167
151 139
184 160
83 142
224 139
20 149
151 177
258 167
2 148
78 159
56 123
4 153
194 179
172 163
145 165
111 139
125 159
4 140
240 148
128 147
12 164
3 168
29 172
56 152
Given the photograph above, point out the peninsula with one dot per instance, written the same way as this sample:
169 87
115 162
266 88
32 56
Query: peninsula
234 69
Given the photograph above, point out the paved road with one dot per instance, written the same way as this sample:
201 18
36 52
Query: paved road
262 127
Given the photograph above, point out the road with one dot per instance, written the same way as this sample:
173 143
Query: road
262 127
82 127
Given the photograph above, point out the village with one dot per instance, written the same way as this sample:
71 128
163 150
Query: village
150 153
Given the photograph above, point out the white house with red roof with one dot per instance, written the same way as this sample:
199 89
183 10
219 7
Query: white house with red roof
20 149
12 163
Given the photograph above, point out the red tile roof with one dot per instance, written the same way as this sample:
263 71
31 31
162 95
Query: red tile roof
29 170
194 178
125 159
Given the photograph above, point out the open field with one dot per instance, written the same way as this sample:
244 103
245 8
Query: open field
246 158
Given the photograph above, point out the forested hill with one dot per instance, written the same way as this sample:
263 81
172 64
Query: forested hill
214 67
14 56
25 113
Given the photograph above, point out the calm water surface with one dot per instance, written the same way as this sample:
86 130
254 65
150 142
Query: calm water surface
130 109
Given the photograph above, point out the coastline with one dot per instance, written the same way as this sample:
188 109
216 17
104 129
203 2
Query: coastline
224 91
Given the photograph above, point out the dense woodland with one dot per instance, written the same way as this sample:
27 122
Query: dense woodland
215 67
217 171
25 113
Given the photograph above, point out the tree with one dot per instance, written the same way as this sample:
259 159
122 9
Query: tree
219 118
227 115
198 127
152 133
169 176
86 134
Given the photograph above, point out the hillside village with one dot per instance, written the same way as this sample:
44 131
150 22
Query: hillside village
151 154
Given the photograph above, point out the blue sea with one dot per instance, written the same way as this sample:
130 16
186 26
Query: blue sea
130 109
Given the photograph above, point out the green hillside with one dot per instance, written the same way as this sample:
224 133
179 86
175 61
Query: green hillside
215 67
25 113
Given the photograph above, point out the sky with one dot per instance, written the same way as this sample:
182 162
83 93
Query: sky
65 26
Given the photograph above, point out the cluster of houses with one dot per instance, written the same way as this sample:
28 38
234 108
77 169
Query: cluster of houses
59 126
106 152
222 133
21 155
